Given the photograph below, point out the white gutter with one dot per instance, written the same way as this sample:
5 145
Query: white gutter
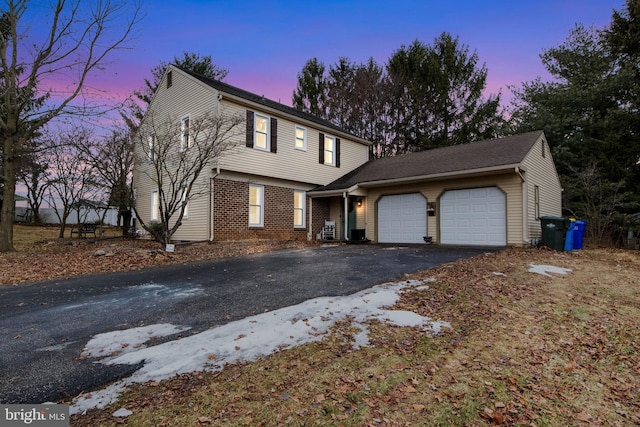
436 176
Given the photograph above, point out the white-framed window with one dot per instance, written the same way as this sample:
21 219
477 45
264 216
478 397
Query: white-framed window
536 201
151 141
261 132
185 136
299 209
256 205
301 138
183 200
329 150
155 201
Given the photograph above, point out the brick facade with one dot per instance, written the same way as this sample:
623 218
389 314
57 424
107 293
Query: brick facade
321 213
231 213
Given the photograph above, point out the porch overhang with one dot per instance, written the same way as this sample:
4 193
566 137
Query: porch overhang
354 190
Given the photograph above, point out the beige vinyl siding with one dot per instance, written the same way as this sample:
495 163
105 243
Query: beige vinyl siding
290 163
541 171
510 184
186 96
361 214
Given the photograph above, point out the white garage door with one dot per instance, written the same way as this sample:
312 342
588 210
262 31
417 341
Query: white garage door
473 217
402 218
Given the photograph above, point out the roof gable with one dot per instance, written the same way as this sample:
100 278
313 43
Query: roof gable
493 153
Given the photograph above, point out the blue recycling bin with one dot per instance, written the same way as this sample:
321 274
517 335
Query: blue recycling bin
568 241
578 234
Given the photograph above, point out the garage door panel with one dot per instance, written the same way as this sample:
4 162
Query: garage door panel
473 217
402 218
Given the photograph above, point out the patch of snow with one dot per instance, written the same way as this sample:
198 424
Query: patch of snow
246 339
122 413
497 273
361 339
546 269
128 340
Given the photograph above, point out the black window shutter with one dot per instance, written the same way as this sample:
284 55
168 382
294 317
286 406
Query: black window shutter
249 129
274 135
321 148
337 152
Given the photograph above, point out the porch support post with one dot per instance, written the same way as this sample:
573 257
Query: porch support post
310 225
345 197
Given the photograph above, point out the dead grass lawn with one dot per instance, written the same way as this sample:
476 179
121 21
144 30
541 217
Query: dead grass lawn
524 350
41 255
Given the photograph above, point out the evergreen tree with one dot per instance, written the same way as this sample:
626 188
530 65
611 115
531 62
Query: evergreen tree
311 93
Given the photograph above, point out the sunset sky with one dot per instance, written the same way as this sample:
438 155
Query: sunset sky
265 44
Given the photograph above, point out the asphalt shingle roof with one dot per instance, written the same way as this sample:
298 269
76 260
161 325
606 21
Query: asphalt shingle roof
258 99
510 150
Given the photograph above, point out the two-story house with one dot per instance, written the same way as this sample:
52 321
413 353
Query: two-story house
259 188
291 173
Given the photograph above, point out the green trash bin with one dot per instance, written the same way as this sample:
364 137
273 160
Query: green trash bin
554 230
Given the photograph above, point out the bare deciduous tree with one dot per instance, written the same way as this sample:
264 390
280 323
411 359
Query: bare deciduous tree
76 37
112 159
73 180
174 157
34 175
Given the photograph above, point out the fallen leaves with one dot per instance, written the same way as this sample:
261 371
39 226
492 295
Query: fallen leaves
523 350
62 258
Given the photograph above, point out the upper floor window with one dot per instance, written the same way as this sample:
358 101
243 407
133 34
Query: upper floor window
544 151
329 150
299 208
185 137
301 138
262 132
256 205
261 138
169 79
151 141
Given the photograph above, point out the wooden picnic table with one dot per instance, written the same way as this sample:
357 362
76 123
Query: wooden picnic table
83 230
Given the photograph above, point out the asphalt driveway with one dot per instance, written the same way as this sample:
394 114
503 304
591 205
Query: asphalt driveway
45 325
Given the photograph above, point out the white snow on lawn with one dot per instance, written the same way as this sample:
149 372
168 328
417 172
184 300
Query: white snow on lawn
546 269
246 339
128 340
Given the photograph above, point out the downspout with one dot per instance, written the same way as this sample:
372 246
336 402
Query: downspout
211 200
525 205
345 196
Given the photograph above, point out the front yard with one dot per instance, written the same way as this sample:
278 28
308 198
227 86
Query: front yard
525 349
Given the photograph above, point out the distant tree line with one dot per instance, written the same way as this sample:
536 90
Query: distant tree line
425 96
429 96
